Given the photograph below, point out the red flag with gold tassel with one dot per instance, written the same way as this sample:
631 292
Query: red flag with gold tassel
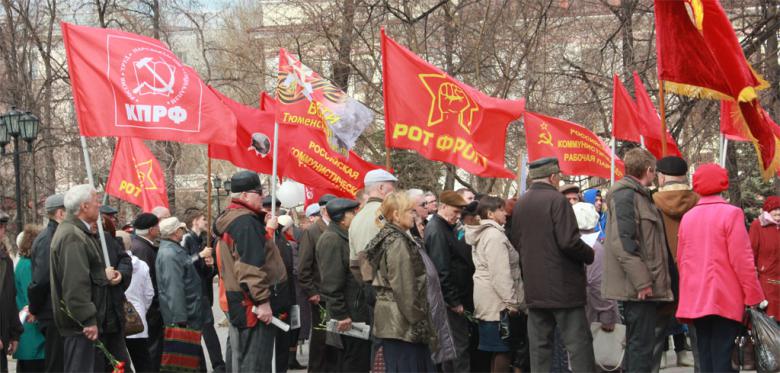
748 121
699 54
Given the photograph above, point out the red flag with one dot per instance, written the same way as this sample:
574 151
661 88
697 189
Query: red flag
306 157
129 85
651 128
136 176
254 138
267 102
441 118
626 124
578 149
700 55
306 98
749 121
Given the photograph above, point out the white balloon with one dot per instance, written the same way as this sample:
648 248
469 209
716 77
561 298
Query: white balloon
291 194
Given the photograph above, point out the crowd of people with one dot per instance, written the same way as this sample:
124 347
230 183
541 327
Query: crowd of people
454 282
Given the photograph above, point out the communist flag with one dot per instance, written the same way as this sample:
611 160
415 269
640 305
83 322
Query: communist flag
128 85
578 150
254 138
306 157
305 98
700 55
626 124
441 118
651 128
136 176
748 121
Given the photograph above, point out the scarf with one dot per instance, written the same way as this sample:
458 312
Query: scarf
766 219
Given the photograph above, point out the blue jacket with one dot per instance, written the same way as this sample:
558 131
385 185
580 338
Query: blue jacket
589 196
178 283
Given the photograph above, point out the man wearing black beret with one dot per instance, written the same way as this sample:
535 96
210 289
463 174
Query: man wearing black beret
250 267
674 198
143 244
343 295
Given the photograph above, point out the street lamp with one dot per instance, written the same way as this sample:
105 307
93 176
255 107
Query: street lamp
18 124
217 183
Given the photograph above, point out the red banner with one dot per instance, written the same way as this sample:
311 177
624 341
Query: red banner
578 150
441 118
128 85
699 54
136 176
254 138
731 122
651 128
626 124
306 157
304 97
748 121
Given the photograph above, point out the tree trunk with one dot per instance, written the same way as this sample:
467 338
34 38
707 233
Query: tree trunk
341 69
735 191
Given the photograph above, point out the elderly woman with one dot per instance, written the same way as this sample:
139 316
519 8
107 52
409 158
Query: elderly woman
178 282
410 314
717 273
765 238
30 354
498 284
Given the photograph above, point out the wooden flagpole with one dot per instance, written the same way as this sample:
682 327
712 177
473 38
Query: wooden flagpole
662 106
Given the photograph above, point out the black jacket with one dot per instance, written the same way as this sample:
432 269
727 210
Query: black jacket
285 291
193 244
344 296
115 319
10 326
39 290
452 260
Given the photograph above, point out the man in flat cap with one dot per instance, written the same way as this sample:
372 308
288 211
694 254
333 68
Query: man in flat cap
637 261
39 291
144 246
674 198
250 266
310 282
571 192
546 233
343 294
441 242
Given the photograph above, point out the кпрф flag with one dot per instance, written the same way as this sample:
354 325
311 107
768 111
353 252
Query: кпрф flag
128 85
305 98
441 118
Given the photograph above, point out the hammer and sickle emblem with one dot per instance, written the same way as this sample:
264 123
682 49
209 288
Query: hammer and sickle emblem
545 137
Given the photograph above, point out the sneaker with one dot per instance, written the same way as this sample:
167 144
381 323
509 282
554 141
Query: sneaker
685 359
664 362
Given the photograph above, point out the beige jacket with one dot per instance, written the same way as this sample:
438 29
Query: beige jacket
498 283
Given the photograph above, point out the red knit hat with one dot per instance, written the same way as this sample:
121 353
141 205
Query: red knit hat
771 203
710 179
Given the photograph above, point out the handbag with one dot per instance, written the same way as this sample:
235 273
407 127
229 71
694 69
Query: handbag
133 322
609 348
181 350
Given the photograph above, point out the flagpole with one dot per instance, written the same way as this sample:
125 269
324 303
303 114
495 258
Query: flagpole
523 173
661 101
723 150
642 141
388 165
208 199
274 174
612 166
100 218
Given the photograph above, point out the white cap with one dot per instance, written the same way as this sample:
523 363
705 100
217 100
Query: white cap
285 221
378 176
312 210
168 226
586 214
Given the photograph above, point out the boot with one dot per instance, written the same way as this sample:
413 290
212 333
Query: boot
685 359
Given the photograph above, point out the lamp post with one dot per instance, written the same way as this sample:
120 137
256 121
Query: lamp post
18 125
217 183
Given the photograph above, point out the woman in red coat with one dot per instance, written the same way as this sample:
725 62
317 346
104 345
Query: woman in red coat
765 239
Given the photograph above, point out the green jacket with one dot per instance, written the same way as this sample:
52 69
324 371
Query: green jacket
401 310
31 342
344 296
78 278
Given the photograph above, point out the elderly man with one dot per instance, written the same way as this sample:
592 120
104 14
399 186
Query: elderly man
178 281
430 205
379 183
144 246
310 282
637 262
250 266
453 265
161 212
39 291
467 194
80 281
417 196
11 326
571 192
546 233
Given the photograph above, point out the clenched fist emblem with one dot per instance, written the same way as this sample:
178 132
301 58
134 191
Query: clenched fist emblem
448 100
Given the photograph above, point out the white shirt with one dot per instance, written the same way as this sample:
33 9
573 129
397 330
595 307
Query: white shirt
140 292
